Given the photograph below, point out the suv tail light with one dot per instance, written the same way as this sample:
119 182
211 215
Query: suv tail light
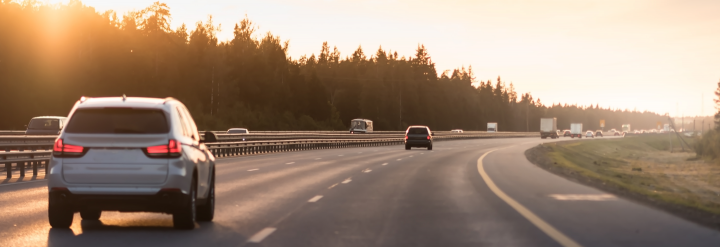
428 137
406 137
170 150
61 149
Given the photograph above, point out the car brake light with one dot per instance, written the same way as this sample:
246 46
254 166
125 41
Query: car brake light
61 149
172 149
406 137
428 137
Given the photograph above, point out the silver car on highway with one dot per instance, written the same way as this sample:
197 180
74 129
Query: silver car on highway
130 155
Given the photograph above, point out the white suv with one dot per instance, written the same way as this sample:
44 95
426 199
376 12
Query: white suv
130 155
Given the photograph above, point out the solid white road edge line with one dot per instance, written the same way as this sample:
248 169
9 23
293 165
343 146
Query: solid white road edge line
529 215
262 234
315 199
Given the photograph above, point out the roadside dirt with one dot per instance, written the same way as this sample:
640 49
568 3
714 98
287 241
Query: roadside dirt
539 156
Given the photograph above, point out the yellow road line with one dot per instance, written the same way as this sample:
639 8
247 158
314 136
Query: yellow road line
529 215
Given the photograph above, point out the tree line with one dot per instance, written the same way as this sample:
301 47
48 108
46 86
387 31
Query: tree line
51 55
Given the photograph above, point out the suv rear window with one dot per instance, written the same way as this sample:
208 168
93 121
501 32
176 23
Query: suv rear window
118 121
44 124
417 131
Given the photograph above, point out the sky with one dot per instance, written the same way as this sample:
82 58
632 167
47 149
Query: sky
655 55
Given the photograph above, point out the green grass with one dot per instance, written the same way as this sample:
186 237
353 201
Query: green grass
643 166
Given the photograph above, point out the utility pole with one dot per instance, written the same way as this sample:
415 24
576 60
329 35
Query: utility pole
212 89
527 113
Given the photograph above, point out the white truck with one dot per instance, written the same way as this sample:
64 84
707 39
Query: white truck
548 128
576 130
626 128
492 127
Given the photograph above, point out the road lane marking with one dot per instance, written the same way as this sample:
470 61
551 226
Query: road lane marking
318 158
253 170
290 163
529 215
367 170
422 153
410 156
399 159
341 155
583 197
333 186
262 234
384 164
347 180
315 199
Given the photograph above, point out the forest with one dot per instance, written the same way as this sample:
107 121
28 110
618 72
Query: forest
51 55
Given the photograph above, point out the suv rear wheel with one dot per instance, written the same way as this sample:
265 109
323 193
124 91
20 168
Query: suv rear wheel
59 215
185 217
207 212
407 147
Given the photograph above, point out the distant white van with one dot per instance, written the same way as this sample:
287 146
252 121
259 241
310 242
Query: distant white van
492 127
456 131
361 126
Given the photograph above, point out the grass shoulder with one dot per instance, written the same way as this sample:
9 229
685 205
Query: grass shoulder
641 168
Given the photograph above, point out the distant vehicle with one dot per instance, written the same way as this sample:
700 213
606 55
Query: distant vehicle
130 154
559 133
238 131
456 131
613 130
599 133
653 131
637 132
576 130
626 128
47 125
548 128
589 133
492 127
643 131
617 133
418 136
361 126
566 133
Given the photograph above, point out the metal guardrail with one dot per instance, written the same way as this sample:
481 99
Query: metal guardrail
226 147
21 160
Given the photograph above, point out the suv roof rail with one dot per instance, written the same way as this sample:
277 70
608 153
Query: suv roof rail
168 99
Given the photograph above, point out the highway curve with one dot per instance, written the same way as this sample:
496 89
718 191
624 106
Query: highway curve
375 196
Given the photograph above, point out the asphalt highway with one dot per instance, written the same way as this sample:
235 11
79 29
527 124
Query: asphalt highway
463 193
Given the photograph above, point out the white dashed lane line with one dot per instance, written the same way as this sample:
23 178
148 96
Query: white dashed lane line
410 156
347 180
318 158
341 155
315 199
366 170
262 234
333 186
399 159
384 164
253 170
290 163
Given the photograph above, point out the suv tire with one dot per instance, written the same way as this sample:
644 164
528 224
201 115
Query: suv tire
207 212
407 147
58 215
184 218
90 214
430 147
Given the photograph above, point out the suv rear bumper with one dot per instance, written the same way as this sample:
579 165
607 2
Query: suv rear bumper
163 202
418 143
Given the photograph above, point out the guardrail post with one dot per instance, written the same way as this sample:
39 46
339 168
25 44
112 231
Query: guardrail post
8 169
21 165
47 167
35 167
